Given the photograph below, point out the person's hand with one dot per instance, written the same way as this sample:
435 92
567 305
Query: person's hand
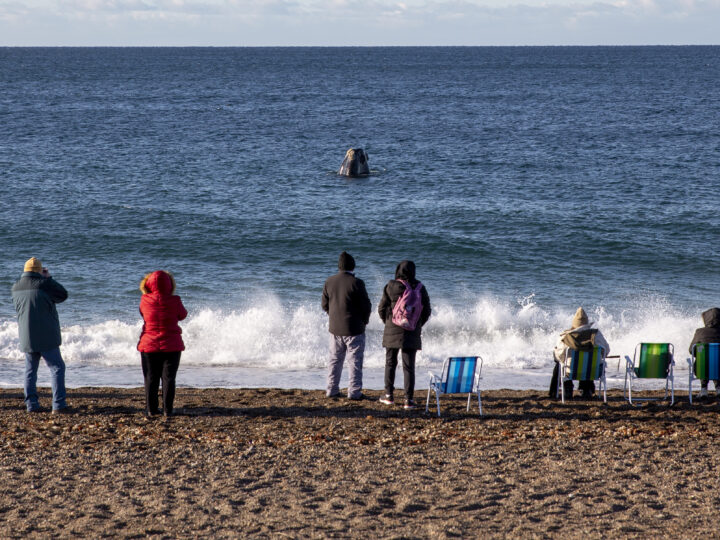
45 273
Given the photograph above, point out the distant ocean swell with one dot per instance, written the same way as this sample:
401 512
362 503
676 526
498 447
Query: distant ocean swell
267 335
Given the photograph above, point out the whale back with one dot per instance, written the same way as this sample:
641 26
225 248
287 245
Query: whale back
355 163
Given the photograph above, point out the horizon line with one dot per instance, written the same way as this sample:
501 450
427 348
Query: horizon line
345 46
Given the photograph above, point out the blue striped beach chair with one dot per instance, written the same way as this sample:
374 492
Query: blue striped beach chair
704 364
586 365
651 361
460 374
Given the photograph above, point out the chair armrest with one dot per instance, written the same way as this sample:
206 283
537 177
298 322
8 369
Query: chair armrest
629 364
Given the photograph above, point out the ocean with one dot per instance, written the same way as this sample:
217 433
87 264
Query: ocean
523 181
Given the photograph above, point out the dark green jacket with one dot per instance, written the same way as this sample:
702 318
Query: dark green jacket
35 297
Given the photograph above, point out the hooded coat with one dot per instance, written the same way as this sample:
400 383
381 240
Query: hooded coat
711 332
161 310
394 336
35 297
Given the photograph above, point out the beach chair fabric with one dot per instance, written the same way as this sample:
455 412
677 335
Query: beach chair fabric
458 379
651 361
654 361
704 364
707 361
584 366
460 374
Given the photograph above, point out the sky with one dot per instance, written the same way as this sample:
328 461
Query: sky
357 22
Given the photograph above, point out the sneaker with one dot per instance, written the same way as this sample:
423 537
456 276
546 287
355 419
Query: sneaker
409 404
703 393
359 397
387 399
64 410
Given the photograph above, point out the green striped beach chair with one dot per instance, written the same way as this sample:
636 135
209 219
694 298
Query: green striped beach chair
460 374
586 365
704 364
650 361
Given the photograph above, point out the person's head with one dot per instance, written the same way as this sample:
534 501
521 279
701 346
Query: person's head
346 263
580 318
405 270
158 281
33 265
711 317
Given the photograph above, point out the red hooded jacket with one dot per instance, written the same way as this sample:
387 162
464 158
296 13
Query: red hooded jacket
161 310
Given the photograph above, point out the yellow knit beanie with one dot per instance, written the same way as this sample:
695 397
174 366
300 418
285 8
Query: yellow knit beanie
33 265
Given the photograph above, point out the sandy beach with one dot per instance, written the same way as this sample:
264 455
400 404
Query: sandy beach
273 463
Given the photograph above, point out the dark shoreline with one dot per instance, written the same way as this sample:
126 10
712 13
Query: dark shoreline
291 463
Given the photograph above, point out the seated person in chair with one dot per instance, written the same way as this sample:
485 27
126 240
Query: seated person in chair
709 334
581 335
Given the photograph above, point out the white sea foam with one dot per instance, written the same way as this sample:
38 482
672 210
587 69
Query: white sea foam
511 337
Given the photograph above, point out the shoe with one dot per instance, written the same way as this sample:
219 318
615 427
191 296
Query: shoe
387 399
409 405
332 396
64 410
359 397
587 395
703 393
34 410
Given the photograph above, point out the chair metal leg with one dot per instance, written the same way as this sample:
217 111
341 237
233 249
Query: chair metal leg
437 397
479 402
468 403
690 388
427 402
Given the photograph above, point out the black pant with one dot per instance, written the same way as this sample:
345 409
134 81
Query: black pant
408 363
154 366
585 386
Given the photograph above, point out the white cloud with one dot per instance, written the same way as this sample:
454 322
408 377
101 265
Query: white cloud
342 22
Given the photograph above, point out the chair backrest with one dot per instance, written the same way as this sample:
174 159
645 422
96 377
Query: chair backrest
652 360
459 374
707 361
586 365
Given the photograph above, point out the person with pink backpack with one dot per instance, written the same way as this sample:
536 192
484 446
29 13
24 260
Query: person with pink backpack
404 308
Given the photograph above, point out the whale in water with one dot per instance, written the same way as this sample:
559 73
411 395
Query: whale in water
355 163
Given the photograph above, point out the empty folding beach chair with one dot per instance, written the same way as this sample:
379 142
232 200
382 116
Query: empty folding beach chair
460 374
650 361
584 366
704 364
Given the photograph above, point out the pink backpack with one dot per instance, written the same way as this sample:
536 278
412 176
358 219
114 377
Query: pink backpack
408 307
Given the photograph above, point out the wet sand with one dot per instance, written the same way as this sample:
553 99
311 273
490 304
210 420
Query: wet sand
274 463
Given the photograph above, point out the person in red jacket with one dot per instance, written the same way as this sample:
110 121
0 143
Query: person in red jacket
160 342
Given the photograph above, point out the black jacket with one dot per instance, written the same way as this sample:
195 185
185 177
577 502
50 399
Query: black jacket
345 299
394 336
711 332
35 297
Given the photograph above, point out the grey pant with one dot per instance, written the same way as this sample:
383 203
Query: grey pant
354 346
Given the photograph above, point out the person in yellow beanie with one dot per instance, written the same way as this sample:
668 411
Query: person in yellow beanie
581 333
35 295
